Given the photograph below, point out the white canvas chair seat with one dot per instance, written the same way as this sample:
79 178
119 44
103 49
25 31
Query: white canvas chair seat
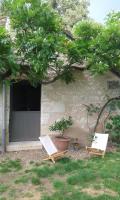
99 144
53 153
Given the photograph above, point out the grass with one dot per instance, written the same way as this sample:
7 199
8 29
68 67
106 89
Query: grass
10 165
93 179
58 184
35 181
3 198
22 179
3 188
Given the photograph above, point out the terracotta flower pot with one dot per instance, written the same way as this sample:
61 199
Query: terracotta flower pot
61 142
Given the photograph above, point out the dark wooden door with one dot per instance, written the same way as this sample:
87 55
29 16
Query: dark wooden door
25 112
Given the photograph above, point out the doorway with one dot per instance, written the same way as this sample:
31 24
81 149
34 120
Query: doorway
24 112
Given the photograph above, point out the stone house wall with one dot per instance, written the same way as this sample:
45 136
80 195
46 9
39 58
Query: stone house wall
60 100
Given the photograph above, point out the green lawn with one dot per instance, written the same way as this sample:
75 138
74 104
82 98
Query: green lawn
93 179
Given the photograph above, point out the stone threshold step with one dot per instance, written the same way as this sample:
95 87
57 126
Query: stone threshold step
19 146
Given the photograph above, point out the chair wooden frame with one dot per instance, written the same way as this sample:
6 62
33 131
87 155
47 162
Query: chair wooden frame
95 151
50 148
55 156
97 148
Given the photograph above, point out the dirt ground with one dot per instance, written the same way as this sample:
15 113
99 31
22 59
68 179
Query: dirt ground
33 192
29 191
37 155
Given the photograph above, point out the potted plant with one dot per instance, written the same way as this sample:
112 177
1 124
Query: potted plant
60 126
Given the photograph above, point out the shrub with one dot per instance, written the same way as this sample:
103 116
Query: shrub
61 125
113 127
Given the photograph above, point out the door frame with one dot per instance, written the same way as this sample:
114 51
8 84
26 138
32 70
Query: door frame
32 144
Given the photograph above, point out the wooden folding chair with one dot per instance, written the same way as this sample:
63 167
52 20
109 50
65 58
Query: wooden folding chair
53 153
99 144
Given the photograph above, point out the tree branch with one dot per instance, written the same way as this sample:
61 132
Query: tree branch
68 34
5 75
102 109
50 81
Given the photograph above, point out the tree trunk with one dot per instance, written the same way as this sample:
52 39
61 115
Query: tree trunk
102 109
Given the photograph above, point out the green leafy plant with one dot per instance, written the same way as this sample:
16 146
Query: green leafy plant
42 52
97 45
85 32
6 54
38 43
61 125
113 127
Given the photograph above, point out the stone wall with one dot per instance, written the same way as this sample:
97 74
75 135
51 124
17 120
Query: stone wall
60 100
